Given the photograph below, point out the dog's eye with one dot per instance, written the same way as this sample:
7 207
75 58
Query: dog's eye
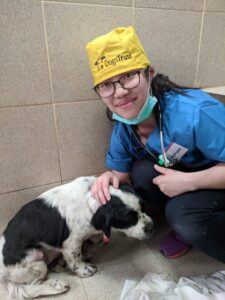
125 218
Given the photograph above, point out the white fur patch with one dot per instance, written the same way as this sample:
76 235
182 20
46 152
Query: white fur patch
2 242
128 198
72 200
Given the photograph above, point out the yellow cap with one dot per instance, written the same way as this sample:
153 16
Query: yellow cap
114 53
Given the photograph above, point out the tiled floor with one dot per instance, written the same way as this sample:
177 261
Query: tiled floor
125 258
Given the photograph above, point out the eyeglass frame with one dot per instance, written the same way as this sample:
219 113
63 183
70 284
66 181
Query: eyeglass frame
118 81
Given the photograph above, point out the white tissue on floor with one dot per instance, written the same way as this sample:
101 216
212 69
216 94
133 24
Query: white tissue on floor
156 287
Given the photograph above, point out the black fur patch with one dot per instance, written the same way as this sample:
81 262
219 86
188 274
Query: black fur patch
128 188
34 223
114 214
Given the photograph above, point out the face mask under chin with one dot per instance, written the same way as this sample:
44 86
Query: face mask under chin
144 113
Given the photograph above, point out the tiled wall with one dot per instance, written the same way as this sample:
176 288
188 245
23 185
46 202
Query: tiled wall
53 127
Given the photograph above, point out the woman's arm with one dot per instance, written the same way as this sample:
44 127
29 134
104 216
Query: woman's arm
100 188
212 178
173 183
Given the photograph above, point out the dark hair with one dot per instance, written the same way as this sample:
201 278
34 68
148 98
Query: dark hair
160 84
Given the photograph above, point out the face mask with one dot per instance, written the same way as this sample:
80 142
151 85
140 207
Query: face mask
143 114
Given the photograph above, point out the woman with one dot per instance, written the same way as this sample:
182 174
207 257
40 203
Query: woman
168 141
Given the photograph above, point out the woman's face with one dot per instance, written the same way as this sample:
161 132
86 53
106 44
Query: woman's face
127 102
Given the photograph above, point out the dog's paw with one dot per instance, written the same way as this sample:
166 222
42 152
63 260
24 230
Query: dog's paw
60 285
85 270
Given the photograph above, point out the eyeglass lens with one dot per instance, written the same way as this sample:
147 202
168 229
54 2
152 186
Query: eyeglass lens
127 81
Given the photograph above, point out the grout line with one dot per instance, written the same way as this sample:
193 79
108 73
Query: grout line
84 289
133 13
199 45
80 3
125 6
61 182
29 188
42 104
47 50
24 105
80 101
214 12
167 8
52 94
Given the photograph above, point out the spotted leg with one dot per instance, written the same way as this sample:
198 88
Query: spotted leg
73 257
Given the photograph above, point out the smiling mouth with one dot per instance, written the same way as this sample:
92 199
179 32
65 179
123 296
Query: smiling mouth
126 104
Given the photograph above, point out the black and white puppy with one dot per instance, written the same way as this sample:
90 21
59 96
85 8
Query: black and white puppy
57 223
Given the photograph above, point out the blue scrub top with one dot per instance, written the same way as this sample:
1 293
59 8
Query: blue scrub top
194 120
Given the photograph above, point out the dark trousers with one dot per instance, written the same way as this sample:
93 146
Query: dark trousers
198 217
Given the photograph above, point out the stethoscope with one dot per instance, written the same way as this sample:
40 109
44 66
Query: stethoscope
163 160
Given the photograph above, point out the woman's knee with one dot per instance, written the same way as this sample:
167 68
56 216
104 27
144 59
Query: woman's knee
185 221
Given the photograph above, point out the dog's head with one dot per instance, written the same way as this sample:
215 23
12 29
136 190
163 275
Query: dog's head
123 212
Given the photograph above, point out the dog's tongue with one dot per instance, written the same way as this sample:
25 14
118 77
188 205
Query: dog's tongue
105 239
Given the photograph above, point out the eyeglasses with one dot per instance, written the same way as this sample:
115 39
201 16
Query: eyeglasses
128 81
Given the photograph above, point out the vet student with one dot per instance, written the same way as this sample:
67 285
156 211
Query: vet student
168 141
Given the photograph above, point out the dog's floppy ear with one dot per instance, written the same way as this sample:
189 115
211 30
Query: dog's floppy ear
102 220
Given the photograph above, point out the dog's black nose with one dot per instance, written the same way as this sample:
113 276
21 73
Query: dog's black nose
148 228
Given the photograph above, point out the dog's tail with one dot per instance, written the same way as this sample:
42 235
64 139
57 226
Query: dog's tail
13 290
31 291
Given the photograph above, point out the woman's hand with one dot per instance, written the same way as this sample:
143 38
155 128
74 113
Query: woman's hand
100 188
173 183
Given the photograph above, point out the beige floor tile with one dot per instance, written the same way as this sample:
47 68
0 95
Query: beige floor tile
24 68
170 51
28 151
83 132
109 279
215 5
212 50
193 263
10 203
172 4
101 2
76 291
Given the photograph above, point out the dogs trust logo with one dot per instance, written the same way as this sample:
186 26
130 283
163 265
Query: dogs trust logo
103 62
